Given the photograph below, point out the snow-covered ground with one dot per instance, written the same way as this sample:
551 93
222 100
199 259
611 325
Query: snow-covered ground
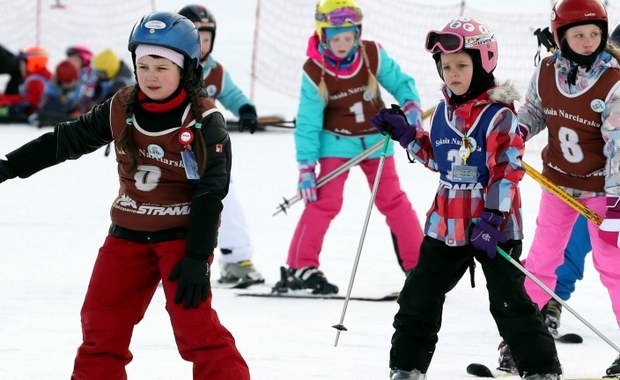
52 224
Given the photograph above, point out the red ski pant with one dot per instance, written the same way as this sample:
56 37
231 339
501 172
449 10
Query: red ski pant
391 201
124 279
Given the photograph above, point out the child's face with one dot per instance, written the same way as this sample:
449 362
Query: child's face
158 77
341 43
206 38
76 60
457 70
583 39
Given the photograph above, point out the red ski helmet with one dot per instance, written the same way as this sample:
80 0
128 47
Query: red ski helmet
66 72
567 13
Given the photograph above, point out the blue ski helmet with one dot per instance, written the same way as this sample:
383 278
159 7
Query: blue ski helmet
171 31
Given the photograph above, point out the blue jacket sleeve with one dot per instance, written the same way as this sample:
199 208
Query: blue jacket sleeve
309 122
231 97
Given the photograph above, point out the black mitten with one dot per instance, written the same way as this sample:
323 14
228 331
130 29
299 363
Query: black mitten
248 118
6 171
194 285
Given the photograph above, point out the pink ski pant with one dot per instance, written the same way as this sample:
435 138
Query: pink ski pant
391 201
553 228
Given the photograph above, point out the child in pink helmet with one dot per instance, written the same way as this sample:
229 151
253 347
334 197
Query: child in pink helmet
474 145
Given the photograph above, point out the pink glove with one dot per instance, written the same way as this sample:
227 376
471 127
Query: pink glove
609 230
306 184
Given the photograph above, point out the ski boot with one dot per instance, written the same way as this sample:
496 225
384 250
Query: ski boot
551 314
240 275
310 278
399 374
505 361
614 369
546 376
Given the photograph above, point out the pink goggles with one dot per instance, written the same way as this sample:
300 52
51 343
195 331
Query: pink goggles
445 42
339 16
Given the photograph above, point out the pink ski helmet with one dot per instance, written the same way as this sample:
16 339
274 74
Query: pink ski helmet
82 51
465 33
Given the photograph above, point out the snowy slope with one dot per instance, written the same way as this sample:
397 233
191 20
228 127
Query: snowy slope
52 224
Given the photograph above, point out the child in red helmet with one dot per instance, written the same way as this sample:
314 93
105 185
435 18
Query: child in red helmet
60 101
575 95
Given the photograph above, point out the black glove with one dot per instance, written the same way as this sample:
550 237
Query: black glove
193 276
6 171
247 118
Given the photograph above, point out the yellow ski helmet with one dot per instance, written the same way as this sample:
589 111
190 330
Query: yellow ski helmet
107 61
336 13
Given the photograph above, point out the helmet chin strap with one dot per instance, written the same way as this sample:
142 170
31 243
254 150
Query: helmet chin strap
581 60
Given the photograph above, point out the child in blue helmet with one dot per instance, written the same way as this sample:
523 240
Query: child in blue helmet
174 160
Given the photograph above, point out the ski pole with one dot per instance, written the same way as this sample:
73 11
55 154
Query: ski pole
556 297
563 195
268 121
340 327
286 124
288 202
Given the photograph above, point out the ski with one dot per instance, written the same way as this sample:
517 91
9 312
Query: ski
302 294
480 370
276 121
242 283
570 338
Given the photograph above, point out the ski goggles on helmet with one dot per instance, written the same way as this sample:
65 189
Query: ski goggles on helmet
208 26
445 42
339 16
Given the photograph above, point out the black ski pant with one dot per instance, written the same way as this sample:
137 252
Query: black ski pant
439 269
